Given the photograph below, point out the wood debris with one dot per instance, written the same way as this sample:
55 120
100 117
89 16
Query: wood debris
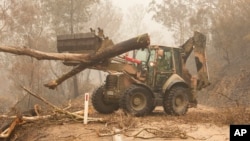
34 115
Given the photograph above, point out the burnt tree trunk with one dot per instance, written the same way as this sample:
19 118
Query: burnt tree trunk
86 60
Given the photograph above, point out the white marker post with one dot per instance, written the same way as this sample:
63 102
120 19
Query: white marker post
86 108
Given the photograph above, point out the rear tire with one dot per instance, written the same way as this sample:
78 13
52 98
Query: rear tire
137 101
100 105
175 102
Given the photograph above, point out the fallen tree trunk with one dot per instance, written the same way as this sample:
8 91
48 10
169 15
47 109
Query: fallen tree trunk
86 60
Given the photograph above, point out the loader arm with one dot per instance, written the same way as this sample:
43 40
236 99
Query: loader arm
197 44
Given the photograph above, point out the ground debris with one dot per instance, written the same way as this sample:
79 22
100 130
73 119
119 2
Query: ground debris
9 122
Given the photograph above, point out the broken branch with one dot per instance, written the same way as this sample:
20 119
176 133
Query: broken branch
59 109
85 60
39 55
6 133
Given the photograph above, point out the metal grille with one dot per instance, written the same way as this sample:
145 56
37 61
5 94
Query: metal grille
111 82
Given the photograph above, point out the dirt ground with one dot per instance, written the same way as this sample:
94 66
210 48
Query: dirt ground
201 123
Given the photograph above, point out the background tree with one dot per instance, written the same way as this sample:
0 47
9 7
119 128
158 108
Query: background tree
68 17
229 28
35 25
108 17
225 24
26 28
219 20
175 15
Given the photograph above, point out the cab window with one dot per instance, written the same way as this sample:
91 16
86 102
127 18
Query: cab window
165 61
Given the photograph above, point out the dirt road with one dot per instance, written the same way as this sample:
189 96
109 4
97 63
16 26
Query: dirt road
202 123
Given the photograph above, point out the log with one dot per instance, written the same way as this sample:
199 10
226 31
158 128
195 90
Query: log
86 60
39 55
141 41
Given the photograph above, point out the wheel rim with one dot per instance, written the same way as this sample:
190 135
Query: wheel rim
138 101
180 102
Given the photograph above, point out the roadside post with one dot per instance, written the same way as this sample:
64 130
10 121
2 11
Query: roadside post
86 108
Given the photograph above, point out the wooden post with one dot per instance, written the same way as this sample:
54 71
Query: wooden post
86 108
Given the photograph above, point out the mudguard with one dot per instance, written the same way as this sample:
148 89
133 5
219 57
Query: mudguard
173 79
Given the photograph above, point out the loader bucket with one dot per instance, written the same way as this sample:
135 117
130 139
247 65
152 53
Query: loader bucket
78 43
85 43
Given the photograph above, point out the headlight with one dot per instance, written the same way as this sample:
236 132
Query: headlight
152 64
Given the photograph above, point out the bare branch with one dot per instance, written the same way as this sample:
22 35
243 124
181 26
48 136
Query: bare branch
39 55
59 109
85 60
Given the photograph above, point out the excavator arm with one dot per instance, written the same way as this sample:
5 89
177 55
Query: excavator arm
197 44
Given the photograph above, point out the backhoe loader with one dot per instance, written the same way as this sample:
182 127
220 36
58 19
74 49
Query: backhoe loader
155 76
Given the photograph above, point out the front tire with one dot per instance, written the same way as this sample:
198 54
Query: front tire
100 105
175 102
137 101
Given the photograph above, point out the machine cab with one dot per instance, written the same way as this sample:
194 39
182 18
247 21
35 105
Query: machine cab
158 63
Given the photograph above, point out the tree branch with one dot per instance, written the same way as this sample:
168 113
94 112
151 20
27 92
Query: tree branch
39 55
85 60
75 115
